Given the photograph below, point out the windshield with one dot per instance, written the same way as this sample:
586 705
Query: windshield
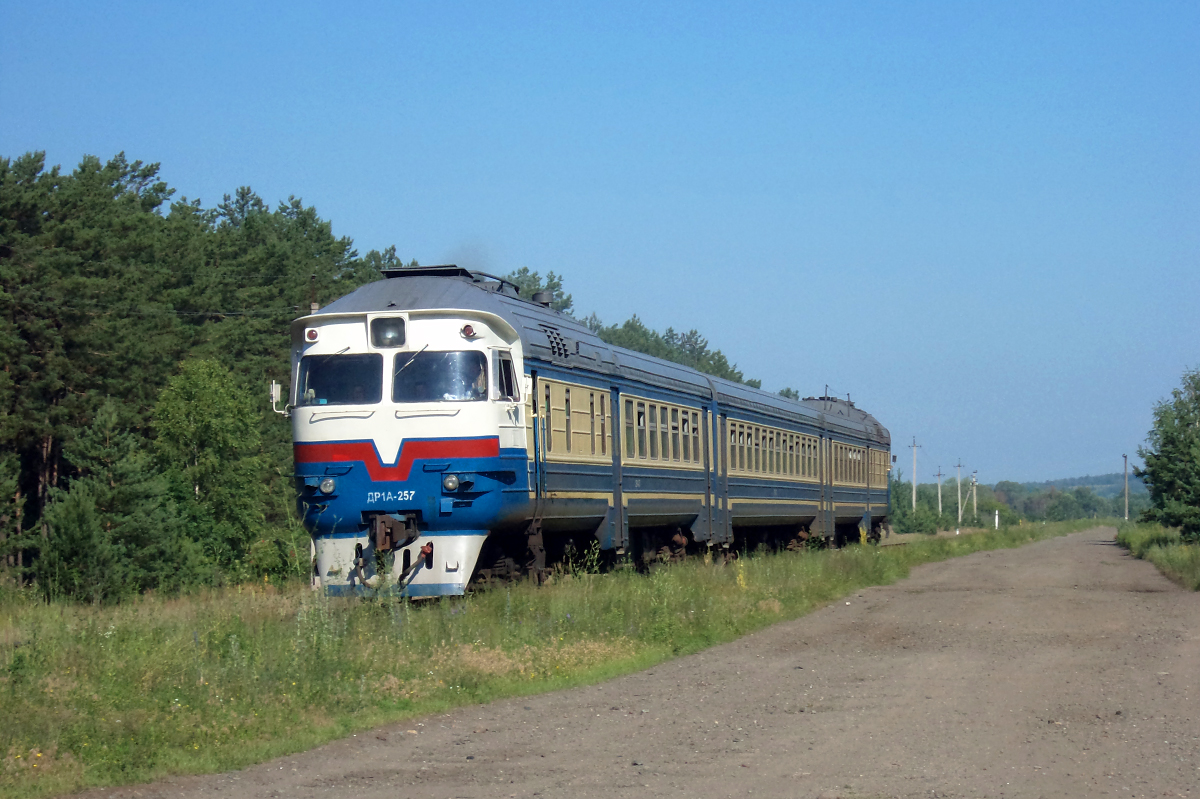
340 380
439 377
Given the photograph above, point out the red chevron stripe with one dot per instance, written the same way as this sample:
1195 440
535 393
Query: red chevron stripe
410 451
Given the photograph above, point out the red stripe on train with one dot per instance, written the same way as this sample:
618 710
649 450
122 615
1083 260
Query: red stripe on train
409 451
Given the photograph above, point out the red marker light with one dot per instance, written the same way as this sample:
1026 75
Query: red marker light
468 331
310 334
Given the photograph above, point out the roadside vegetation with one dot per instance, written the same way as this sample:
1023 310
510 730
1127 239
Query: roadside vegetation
103 695
1166 549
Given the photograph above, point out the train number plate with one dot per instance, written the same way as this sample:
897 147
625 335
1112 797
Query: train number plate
390 496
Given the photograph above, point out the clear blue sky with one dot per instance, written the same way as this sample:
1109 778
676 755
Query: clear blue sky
982 221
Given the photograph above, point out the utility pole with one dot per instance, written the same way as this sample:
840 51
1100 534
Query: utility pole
975 495
915 445
958 485
1126 458
939 477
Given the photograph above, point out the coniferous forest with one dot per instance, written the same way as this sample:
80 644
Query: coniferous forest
138 330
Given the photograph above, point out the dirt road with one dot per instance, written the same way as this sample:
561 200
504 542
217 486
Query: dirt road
1064 668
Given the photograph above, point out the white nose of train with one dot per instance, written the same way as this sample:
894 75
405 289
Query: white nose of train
409 444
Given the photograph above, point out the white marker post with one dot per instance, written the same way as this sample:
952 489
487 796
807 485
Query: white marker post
997 519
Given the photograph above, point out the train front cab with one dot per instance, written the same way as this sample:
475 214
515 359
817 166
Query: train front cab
410 447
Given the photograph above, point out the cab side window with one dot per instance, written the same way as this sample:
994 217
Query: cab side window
506 378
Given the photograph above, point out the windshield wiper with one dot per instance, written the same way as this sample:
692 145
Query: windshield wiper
410 362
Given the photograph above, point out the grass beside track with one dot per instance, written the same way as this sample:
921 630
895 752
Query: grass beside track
1164 548
209 682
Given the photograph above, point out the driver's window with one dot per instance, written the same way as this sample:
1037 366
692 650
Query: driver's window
506 378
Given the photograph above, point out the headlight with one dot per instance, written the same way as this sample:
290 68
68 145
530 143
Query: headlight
387 332
327 485
450 482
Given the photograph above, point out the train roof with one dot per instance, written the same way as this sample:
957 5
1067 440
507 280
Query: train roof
551 336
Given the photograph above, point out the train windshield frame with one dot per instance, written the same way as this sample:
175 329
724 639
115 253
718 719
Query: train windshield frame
349 379
440 376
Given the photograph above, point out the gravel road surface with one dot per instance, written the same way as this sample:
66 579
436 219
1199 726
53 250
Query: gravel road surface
1063 668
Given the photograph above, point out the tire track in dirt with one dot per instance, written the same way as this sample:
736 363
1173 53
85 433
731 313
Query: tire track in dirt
1063 668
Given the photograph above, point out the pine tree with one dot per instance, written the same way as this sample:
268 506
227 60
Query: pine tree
81 560
114 531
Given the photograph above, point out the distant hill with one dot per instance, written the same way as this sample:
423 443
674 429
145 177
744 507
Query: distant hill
1104 485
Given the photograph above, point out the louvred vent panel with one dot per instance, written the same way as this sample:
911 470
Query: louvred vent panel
558 345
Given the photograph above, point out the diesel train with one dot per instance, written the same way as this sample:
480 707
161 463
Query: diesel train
448 430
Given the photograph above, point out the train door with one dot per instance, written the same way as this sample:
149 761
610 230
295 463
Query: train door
721 456
620 519
710 529
867 525
824 529
538 429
